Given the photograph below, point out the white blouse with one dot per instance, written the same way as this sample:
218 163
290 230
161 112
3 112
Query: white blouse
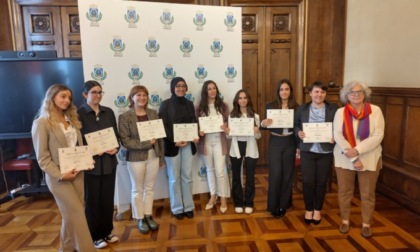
251 143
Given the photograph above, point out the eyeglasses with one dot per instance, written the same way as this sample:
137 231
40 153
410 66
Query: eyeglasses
97 92
357 92
181 86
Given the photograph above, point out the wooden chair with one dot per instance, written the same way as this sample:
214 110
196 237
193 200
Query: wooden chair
23 146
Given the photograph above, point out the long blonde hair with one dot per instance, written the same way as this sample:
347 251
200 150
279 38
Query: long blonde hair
49 110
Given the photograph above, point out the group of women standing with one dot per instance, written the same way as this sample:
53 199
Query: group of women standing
85 199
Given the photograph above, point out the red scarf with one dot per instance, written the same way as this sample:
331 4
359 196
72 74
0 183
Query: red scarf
363 129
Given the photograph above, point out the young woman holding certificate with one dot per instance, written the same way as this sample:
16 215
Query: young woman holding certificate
281 152
178 155
316 158
213 145
56 127
143 157
99 182
244 147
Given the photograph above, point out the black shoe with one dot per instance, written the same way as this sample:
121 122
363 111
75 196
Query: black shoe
143 227
316 222
275 214
179 216
308 221
282 212
151 223
189 214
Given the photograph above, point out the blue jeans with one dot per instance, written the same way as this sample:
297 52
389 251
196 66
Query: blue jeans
179 169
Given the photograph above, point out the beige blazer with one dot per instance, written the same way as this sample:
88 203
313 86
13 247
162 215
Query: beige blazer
46 141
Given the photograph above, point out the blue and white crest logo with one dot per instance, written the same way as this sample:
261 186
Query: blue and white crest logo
169 73
155 100
94 15
152 47
231 73
131 17
189 97
122 155
121 102
98 74
201 73
230 21
202 172
135 74
216 47
118 46
186 47
199 20
166 19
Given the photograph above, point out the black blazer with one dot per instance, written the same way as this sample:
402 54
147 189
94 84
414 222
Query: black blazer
302 116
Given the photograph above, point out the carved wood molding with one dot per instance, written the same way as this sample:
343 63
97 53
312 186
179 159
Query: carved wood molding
395 92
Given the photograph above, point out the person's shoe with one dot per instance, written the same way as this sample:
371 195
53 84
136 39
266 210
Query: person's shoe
366 232
223 209
275 214
179 216
100 244
316 222
189 214
111 238
344 228
123 216
151 223
239 210
282 212
143 227
249 210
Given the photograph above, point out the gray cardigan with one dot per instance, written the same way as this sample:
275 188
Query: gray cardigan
130 139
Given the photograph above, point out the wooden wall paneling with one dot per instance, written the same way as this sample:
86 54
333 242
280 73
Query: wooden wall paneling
411 154
71 32
43 28
393 114
325 41
6 38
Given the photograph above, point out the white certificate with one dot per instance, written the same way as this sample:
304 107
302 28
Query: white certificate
211 124
241 126
151 129
317 132
282 118
101 141
78 157
185 132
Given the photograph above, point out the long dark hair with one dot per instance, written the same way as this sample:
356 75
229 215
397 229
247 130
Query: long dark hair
203 106
291 103
236 111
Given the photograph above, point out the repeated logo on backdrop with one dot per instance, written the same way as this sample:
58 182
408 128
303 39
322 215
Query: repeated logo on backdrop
131 17
216 47
121 102
152 46
186 47
98 74
231 73
117 45
155 100
169 73
201 73
230 21
135 74
94 15
199 20
167 19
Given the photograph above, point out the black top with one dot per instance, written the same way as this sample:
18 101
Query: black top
176 110
106 163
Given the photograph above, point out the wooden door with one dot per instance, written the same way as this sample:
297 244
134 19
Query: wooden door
269 54
71 32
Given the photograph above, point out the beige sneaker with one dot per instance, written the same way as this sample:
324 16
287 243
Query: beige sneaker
249 210
239 210
366 232
344 228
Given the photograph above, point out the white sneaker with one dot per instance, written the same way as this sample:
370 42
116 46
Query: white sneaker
111 238
100 244
249 210
239 210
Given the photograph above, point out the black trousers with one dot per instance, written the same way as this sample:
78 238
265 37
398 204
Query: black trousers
99 200
281 166
316 170
237 191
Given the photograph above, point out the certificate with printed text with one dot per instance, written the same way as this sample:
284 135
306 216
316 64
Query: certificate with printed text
282 118
317 132
151 129
101 141
211 124
78 157
185 132
241 126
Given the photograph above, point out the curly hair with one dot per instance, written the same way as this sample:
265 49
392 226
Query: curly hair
344 92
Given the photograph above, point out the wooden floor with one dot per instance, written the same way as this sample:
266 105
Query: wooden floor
33 224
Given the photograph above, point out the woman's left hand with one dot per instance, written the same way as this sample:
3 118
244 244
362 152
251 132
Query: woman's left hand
112 152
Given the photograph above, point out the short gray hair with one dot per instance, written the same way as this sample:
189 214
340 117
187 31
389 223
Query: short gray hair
344 92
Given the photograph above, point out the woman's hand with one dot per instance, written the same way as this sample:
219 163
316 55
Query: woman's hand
201 133
152 141
351 153
358 165
112 152
256 130
196 140
298 153
301 135
266 122
181 144
70 176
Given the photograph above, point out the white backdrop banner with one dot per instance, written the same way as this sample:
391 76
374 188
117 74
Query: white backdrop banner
127 43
